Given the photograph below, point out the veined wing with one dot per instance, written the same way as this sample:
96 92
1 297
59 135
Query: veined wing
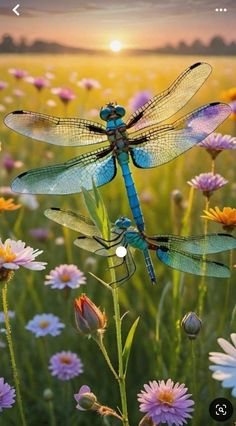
91 245
73 221
167 103
192 264
69 177
199 245
162 144
54 130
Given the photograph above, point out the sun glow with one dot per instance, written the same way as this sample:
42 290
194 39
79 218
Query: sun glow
115 46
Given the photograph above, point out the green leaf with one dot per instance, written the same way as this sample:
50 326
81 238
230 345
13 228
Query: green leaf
128 344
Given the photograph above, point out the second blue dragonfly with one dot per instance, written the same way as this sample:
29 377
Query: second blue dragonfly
186 254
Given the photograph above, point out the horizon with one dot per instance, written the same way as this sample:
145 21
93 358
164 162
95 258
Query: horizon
137 24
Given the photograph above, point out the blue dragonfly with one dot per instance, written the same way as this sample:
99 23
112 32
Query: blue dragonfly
141 138
186 254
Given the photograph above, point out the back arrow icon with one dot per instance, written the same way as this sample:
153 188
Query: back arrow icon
15 10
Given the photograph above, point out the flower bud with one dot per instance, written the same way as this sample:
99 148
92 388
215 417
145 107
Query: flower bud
177 196
88 317
47 394
87 401
191 324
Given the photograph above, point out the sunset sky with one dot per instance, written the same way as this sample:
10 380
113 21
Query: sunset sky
136 23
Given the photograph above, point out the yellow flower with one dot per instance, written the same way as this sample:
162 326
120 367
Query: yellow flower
8 204
227 217
229 95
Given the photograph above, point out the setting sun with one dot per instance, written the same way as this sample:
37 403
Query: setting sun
115 46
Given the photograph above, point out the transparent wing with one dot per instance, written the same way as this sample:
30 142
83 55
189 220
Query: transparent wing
73 221
167 103
91 245
54 130
165 143
199 245
69 177
192 264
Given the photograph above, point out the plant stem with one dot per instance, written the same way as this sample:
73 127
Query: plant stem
202 286
226 302
121 378
12 355
100 343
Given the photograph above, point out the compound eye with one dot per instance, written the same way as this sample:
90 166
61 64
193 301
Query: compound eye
104 113
120 110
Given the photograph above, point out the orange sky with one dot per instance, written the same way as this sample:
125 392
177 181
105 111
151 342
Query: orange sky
137 23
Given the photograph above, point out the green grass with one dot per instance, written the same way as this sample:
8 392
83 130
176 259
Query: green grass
161 350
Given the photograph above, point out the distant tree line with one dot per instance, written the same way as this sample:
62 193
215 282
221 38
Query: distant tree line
216 46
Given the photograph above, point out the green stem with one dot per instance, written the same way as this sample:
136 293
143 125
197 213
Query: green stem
12 355
100 343
194 381
51 413
121 378
202 286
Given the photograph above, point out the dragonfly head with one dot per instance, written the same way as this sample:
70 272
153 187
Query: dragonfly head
112 112
123 222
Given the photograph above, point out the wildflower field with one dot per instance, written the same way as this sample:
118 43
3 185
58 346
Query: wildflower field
53 354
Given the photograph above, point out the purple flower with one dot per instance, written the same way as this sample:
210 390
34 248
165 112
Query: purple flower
10 164
216 142
85 397
207 183
65 276
40 234
65 365
44 324
38 82
11 314
3 85
66 95
166 402
7 395
89 84
233 107
17 73
139 100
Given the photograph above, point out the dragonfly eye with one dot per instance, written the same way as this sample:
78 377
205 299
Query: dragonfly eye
104 113
120 110
123 222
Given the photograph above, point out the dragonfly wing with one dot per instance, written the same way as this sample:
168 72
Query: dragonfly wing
199 245
73 221
54 130
162 145
70 177
195 265
91 245
167 103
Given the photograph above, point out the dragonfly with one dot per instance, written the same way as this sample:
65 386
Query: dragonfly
141 138
186 254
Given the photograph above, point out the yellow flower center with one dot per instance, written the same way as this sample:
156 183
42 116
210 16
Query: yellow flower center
44 324
65 278
166 397
65 359
6 254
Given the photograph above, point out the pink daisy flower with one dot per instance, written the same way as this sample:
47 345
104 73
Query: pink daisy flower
14 254
65 276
